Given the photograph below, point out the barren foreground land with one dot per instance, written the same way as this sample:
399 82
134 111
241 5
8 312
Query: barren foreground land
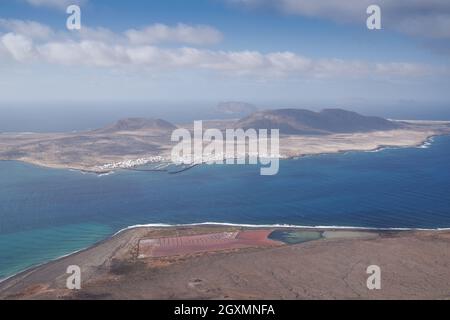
247 265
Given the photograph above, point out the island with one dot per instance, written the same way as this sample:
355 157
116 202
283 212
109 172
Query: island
136 141
212 261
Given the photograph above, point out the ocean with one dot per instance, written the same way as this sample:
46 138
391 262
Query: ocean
46 213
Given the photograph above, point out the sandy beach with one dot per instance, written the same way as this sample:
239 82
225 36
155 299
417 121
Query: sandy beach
414 265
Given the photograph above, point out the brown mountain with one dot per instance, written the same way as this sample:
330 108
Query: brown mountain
299 121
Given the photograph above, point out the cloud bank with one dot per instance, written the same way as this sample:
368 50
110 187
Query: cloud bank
182 33
59 4
32 42
424 18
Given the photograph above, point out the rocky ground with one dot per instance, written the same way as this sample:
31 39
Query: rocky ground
414 265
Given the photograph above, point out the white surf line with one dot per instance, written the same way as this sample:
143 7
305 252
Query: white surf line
250 226
253 226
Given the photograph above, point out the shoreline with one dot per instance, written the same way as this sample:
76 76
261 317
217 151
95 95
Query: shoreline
59 258
110 271
274 226
423 144
218 225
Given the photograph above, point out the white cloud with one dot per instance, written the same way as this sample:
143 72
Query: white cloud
30 29
436 26
98 34
59 4
240 63
18 46
99 47
89 53
182 33
425 18
152 34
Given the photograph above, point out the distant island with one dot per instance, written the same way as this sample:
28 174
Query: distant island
231 261
136 141
236 108
306 122
158 126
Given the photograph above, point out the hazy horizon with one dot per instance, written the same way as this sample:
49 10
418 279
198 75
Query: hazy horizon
65 117
302 54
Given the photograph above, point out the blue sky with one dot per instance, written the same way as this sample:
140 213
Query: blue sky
284 52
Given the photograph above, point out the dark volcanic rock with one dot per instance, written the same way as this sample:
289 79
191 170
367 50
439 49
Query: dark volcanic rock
134 124
298 121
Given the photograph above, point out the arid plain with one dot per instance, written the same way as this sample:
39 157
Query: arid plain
414 265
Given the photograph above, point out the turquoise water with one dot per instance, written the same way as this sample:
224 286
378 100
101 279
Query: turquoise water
46 213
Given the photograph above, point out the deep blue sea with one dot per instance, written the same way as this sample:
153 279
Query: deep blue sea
46 213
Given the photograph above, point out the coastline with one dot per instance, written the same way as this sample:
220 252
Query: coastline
218 225
423 142
112 264
132 228
272 226
43 264
251 226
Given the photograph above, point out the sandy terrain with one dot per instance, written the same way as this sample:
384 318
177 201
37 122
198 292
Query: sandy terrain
101 152
293 146
414 265
88 151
